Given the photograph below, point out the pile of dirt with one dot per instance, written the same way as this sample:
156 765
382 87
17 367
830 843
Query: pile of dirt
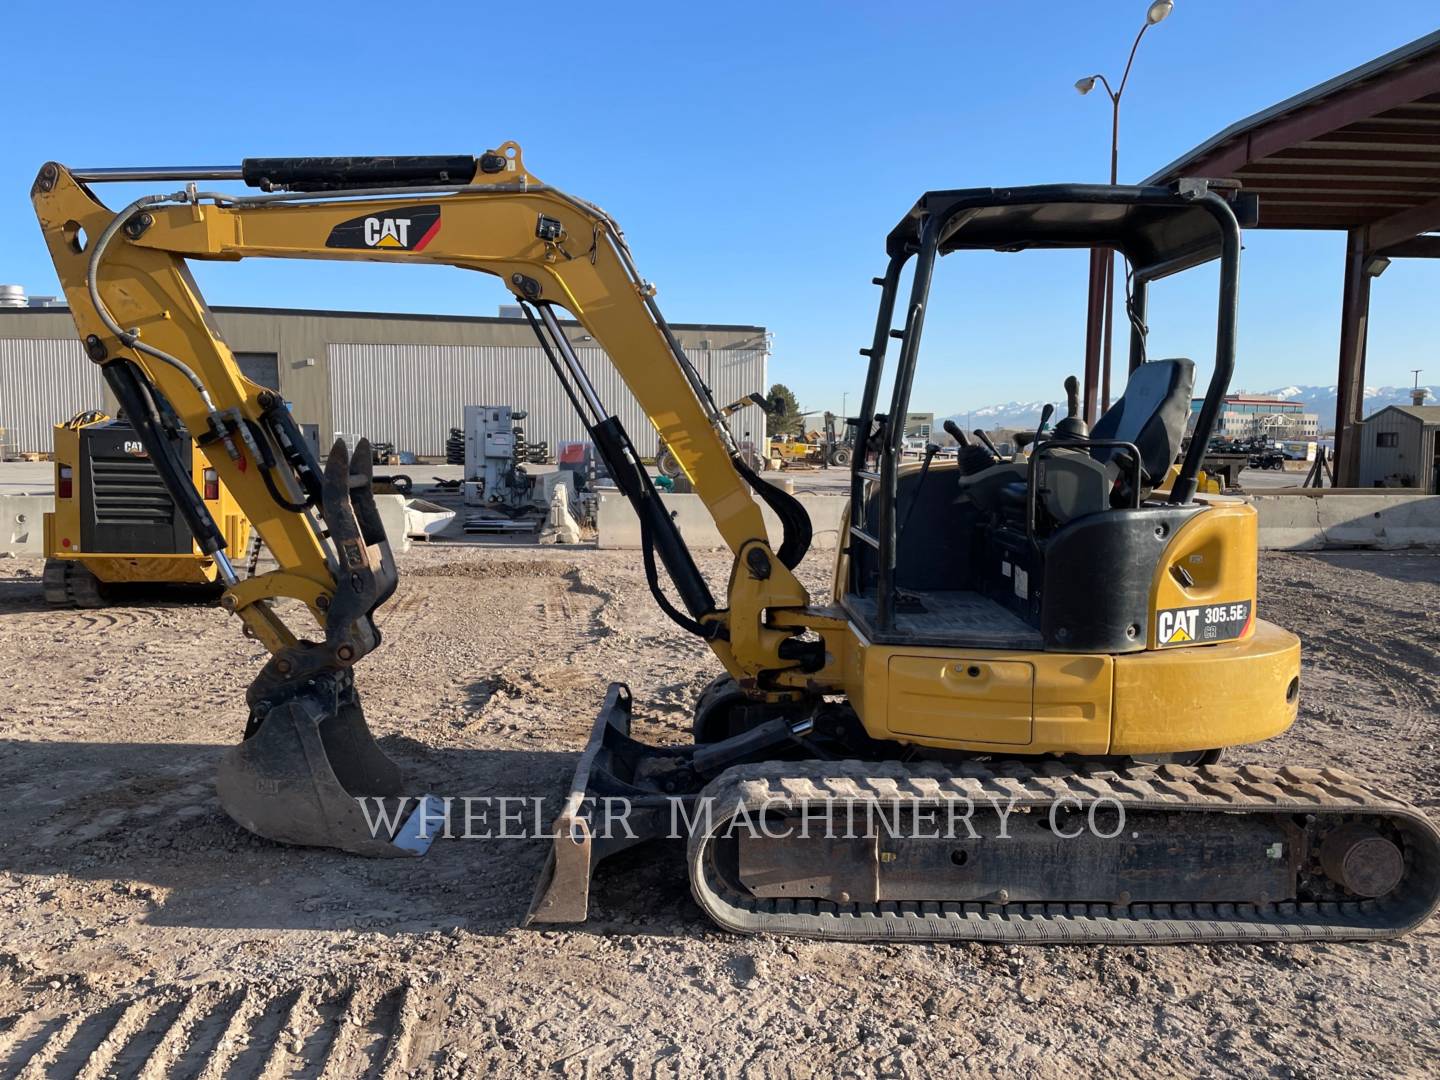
494 569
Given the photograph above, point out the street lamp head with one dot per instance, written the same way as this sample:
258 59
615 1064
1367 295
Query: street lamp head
1159 11
1085 85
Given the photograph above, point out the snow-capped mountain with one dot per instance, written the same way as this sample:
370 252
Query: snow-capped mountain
1321 399
1316 399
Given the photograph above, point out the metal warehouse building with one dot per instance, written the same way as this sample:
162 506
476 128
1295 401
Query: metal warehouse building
403 379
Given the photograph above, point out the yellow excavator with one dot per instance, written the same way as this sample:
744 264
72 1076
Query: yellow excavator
1002 722
115 525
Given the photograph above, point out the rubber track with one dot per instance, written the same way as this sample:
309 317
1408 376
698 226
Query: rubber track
787 787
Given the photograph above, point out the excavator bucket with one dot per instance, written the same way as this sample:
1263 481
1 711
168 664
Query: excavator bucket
313 775
309 772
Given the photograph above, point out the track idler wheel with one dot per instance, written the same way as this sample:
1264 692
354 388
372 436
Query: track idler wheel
1360 859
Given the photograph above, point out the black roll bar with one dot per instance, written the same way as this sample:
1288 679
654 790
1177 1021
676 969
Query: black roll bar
1226 316
865 422
925 243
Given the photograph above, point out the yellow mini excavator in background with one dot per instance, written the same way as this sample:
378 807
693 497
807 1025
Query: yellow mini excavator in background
115 523
1037 639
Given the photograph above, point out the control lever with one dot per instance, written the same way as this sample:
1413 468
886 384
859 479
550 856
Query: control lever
980 434
1072 427
974 458
1045 414
931 449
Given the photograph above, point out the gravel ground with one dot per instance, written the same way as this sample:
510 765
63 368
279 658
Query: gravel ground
143 933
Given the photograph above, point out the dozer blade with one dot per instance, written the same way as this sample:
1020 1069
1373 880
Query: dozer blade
309 771
589 828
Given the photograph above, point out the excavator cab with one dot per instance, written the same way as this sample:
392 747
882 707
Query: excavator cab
1046 630
1058 550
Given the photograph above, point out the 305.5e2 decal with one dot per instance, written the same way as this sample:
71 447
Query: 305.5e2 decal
395 230
1202 623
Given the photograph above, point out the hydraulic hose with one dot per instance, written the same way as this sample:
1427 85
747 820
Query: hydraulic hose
131 338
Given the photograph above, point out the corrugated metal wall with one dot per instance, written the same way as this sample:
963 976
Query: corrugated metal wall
1378 463
412 395
44 382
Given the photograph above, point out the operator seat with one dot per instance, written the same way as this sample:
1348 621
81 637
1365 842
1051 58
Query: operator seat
1151 413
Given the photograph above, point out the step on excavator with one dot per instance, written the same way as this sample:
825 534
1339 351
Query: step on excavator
1061 638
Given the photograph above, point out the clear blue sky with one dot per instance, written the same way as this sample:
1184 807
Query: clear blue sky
756 154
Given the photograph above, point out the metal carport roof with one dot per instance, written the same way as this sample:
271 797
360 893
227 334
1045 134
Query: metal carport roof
1359 153
1362 149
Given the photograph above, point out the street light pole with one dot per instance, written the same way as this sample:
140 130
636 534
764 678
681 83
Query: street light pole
1102 263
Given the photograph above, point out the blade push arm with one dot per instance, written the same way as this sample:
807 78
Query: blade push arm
137 302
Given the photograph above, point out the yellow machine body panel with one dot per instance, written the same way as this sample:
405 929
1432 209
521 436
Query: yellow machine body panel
1175 696
1226 694
1210 568
1229 694
62 528
988 700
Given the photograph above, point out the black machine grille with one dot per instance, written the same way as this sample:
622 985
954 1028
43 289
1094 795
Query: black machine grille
129 491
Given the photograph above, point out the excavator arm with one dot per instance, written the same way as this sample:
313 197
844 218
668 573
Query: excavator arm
142 318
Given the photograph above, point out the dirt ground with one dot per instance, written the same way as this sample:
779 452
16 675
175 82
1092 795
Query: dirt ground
144 933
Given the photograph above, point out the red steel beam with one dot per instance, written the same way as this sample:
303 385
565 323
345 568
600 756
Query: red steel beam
1350 386
1417 247
1407 223
1397 89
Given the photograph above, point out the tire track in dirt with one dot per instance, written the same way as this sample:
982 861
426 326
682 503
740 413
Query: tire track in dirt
213 1032
85 620
128 807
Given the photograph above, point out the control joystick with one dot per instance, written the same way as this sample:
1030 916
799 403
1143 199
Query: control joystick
1072 427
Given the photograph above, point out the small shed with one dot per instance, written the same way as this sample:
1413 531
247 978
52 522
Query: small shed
1399 448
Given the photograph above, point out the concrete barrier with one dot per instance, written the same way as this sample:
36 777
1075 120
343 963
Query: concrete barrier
618 527
1298 520
22 523
1309 520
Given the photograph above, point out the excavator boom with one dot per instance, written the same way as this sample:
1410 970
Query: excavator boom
308 753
